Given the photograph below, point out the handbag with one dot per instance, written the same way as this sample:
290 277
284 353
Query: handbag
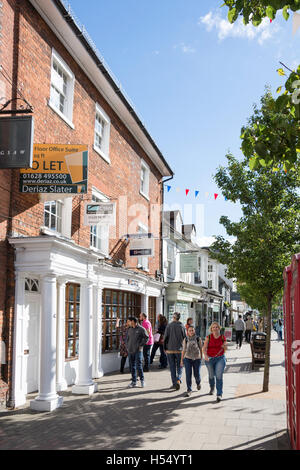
156 337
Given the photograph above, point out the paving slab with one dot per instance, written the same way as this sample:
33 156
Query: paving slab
156 418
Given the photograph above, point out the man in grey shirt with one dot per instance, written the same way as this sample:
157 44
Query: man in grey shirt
136 339
173 344
239 326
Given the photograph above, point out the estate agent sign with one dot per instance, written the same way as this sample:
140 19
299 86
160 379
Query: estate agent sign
100 213
56 169
16 141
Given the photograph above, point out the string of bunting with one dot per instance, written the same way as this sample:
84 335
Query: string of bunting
196 192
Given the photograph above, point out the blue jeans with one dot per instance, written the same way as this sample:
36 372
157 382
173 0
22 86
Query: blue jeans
146 353
163 357
175 367
136 363
191 366
215 367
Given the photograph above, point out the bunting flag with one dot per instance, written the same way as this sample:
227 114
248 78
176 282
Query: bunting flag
196 191
296 22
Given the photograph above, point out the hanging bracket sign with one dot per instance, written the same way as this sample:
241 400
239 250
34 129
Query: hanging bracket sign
100 213
141 247
189 263
16 141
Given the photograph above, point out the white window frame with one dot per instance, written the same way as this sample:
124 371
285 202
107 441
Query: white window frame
170 261
142 261
67 113
99 233
210 284
103 151
65 217
145 183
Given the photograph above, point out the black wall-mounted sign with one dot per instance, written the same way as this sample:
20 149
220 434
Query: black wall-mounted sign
16 141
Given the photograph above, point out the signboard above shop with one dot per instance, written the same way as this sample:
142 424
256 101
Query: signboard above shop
16 141
56 169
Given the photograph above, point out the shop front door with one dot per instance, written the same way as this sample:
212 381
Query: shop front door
31 342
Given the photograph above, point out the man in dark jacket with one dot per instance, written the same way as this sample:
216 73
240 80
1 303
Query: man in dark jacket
136 339
173 344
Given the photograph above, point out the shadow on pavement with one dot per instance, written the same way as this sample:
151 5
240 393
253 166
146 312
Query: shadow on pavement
278 440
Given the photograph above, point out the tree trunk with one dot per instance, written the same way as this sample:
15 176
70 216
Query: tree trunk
268 346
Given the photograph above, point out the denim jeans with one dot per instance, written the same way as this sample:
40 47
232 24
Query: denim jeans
146 353
215 367
175 367
163 360
136 363
192 366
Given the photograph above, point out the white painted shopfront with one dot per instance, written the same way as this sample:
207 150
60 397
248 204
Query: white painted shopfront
64 328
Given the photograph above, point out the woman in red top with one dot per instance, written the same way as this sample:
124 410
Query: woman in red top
214 354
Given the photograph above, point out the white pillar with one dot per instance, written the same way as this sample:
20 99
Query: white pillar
18 378
145 303
84 384
61 383
159 306
97 324
47 399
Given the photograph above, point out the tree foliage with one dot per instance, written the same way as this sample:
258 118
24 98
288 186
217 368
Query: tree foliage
264 144
267 235
254 11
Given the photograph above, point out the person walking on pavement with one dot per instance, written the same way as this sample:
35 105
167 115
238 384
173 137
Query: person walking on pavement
189 322
174 336
146 350
122 331
249 329
239 326
191 357
214 349
160 330
279 327
137 337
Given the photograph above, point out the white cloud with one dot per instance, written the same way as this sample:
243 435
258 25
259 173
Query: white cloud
261 33
186 49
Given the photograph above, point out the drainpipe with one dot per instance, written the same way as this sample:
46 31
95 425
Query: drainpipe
162 182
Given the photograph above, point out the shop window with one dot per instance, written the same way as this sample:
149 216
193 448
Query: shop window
152 311
117 304
72 320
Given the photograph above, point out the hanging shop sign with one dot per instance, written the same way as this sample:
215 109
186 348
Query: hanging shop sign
100 213
16 141
56 169
228 334
141 247
189 263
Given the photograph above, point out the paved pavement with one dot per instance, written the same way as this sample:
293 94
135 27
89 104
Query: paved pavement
155 418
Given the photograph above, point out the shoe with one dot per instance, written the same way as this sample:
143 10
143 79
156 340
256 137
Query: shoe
188 394
173 387
146 369
211 392
199 387
143 384
132 385
177 385
219 398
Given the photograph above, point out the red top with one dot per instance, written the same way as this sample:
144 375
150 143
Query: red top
214 348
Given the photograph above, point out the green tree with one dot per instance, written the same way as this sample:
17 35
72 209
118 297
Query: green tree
267 235
255 11
285 135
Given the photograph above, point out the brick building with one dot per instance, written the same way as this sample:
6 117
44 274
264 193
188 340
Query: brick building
64 283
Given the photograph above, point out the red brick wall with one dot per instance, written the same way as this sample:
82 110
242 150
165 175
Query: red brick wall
30 64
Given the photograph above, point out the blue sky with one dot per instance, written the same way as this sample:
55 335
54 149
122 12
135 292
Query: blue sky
193 80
